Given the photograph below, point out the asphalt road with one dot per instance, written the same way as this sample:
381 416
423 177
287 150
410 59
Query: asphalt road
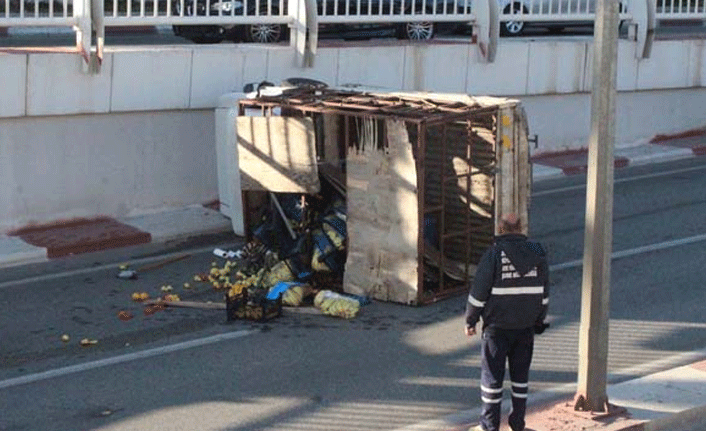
392 366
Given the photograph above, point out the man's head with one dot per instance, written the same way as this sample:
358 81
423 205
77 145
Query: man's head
510 223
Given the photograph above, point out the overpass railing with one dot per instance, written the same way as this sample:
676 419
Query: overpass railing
584 10
303 17
197 12
681 9
553 11
38 13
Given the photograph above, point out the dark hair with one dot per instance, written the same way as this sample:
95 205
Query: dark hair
510 223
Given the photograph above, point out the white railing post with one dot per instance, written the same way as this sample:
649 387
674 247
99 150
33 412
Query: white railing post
487 28
642 27
297 36
97 8
312 27
304 33
82 12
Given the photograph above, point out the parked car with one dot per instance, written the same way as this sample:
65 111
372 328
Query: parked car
270 33
550 9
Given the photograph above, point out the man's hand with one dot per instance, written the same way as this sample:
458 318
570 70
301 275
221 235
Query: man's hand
539 328
470 331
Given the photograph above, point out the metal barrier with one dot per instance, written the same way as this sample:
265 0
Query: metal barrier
34 13
303 17
120 12
194 12
37 13
363 11
555 12
578 11
51 13
681 9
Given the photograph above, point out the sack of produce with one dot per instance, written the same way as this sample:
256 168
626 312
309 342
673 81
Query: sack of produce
334 304
292 293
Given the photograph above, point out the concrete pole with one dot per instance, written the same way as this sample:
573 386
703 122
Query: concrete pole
595 289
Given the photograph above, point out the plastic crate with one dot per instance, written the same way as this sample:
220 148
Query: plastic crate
260 309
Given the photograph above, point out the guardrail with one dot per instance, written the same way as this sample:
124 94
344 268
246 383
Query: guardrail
197 12
681 9
36 12
303 17
51 13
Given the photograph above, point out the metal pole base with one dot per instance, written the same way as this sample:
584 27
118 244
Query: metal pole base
599 410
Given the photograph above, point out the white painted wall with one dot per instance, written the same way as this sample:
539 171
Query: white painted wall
61 167
563 121
193 76
140 135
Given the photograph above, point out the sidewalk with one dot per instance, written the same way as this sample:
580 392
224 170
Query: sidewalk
662 148
33 245
670 400
674 399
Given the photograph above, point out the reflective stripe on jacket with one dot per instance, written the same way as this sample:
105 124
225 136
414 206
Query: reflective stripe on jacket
510 289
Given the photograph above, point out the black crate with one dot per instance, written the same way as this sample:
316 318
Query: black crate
261 309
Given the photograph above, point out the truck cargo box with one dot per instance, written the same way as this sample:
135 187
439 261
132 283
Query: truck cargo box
426 178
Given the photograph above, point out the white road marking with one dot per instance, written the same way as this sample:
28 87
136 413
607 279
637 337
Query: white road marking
73 369
620 180
114 265
635 251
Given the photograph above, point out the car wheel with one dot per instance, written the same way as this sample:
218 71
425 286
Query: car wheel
416 30
513 28
264 33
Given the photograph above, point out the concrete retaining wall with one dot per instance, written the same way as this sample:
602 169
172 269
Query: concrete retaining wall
140 136
61 167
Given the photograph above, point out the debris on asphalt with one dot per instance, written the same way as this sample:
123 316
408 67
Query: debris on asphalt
65 338
125 315
334 304
298 250
127 274
140 296
88 342
131 274
225 254
189 304
293 293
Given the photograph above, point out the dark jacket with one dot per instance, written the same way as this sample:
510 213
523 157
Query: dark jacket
510 289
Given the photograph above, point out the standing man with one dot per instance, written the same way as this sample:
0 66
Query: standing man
510 291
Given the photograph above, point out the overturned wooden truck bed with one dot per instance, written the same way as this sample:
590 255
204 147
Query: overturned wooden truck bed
426 177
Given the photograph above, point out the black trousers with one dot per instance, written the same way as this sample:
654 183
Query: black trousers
498 346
